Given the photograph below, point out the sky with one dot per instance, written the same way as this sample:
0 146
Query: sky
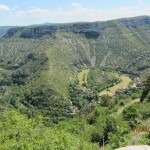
27 12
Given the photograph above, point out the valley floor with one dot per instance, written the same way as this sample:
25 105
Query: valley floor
125 81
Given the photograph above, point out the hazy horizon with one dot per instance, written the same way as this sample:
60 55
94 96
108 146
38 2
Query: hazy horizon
27 12
53 23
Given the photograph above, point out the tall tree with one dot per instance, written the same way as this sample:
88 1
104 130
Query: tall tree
146 89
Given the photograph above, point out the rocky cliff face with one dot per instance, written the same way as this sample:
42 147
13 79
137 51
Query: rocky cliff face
90 30
136 22
4 30
12 31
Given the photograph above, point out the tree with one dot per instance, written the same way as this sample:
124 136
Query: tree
130 114
106 101
146 89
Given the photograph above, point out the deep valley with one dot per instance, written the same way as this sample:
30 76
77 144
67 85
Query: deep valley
75 86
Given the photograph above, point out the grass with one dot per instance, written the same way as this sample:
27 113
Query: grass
125 80
120 110
146 122
82 76
61 72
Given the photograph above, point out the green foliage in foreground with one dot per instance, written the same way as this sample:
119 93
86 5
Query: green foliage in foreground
86 132
90 132
19 132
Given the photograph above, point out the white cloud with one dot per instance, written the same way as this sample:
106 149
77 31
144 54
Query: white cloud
76 5
4 8
80 13
34 12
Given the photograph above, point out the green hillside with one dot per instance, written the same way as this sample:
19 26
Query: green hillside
53 59
51 77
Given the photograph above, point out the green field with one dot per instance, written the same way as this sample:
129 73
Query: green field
125 80
82 76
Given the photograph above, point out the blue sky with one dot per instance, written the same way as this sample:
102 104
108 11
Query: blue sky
25 12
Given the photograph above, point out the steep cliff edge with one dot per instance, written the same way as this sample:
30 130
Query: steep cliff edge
4 30
90 30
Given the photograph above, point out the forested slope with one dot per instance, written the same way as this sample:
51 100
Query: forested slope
38 63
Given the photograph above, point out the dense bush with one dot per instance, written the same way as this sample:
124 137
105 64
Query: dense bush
131 114
19 132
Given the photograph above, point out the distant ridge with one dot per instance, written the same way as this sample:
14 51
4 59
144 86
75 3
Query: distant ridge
89 29
4 29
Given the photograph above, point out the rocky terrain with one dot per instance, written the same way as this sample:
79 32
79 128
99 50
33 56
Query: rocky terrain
90 30
4 29
144 147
